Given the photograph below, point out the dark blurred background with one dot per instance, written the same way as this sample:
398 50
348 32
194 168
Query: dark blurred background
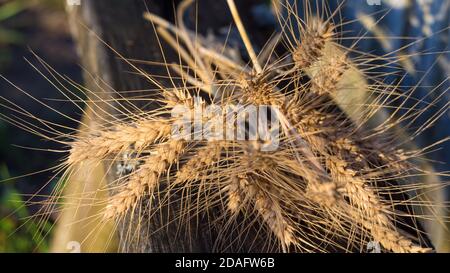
26 26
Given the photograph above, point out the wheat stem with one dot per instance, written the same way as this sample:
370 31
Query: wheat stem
244 36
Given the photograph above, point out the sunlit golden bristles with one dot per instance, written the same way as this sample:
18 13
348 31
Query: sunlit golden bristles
332 183
313 165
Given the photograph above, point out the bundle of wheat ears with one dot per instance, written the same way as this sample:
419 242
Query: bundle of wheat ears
332 184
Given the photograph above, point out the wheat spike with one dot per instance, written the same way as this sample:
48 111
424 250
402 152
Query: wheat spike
313 37
237 185
371 210
176 97
243 188
326 79
205 157
145 179
122 137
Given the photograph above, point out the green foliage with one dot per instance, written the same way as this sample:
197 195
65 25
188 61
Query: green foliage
19 232
8 11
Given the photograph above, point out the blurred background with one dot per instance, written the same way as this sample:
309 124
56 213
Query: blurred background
26 26
40 27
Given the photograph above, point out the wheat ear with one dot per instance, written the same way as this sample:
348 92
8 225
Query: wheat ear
370 213
146 178
271 212
243 188
235 187
326 79
313 38
137 135
205 157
